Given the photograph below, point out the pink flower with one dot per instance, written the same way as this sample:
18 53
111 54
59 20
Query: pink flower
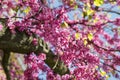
117 22
1 27
35 75
35 41
42 56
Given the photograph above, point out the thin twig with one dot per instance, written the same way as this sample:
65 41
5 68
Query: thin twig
111 67
56 63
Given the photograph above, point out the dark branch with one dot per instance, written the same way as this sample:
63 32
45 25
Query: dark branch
111 67
105 49
22 43
111 11
5 61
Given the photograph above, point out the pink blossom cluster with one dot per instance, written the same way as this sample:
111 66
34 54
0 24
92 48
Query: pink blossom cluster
81 44
34 64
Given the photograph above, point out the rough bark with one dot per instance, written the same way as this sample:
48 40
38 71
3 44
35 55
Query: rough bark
20 42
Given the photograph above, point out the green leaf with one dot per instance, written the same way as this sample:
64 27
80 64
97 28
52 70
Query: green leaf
90 36
76 6
98 2
27 10
89 11
72 2
77 36
85 42
64 25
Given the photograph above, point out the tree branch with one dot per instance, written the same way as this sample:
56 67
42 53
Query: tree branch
111 67
91 42
22 43
111 11
5 61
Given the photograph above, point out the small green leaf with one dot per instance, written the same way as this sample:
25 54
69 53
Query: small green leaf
90 36
89 12
77 36
27 10
76 6
71 2
102 73
64 25
98 2
85 42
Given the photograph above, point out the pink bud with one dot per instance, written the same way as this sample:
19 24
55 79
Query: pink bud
42 56
1 27
35 41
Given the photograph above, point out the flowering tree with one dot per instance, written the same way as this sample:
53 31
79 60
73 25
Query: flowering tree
75 40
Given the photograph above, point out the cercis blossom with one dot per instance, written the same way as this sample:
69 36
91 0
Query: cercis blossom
1 27
82 44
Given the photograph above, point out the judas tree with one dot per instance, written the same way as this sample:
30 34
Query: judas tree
65 39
